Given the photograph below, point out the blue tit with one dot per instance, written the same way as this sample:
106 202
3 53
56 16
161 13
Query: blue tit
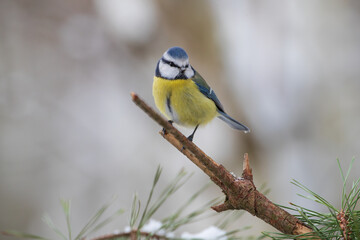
183 96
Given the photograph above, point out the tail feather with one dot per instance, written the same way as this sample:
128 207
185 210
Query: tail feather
232 122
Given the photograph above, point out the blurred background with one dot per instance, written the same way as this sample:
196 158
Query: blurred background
289 70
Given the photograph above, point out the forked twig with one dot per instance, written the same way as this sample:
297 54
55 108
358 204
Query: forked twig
240 193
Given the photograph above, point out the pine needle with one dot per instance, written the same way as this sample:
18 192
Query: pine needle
93 220
18 234
156 179
169 221
166 193
66 208
46 218
135 211
106 221
341 223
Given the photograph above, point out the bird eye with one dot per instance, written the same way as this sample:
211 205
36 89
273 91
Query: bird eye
172 64
187 65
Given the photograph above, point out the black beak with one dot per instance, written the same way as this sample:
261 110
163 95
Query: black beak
181 75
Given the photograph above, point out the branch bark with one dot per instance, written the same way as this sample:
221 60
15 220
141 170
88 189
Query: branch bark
133 235
241 192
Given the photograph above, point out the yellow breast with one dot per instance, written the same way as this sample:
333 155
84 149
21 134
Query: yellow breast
181 101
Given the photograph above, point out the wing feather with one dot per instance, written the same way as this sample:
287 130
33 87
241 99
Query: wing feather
206 90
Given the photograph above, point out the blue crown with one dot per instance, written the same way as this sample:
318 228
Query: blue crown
177 53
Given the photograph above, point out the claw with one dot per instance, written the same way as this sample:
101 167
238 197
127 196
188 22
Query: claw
164 130
191 137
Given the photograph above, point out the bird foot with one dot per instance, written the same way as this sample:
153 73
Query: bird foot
164 130
190 138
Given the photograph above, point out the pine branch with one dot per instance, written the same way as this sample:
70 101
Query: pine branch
134 234
240 193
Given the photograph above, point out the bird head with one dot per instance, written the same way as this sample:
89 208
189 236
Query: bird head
174 64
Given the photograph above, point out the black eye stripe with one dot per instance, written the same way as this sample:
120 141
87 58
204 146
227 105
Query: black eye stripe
170 63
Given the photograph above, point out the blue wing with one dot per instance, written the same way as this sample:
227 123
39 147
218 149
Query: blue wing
209 93
206 90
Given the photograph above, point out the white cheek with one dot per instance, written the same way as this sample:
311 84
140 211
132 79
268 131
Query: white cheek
167 71
189 73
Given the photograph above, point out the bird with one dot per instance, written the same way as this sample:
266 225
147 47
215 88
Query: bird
183 96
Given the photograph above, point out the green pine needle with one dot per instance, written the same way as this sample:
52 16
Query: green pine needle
106 221
172 222
156 179
66 208
91 224
18 234
46 218
169 224
175 221
178 181
327 225
226 221
135 211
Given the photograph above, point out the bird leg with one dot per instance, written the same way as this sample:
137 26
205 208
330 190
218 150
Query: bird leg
164 130
192 135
